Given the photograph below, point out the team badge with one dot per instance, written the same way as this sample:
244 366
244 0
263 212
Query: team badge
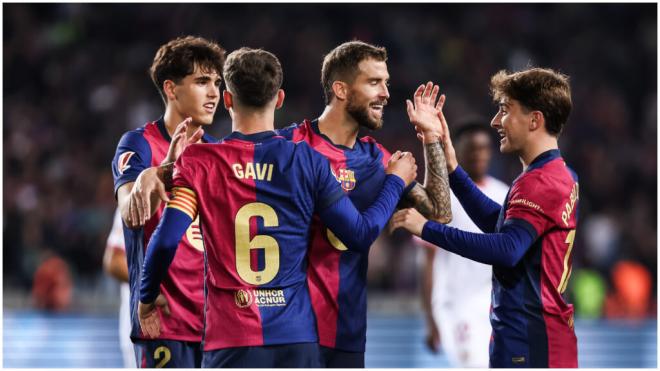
243 298
122 162
346 178
194 235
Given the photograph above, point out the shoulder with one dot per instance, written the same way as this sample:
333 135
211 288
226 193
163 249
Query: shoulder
374 148
208 138
295 131
134 138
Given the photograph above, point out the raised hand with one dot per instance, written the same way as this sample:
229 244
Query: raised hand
149 318
409 219
402 164
423 112
180 140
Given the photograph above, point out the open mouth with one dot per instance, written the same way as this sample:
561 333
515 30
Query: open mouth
377 108
209 107
502 136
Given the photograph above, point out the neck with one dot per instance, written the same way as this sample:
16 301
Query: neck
251 122
173 118
339 126
536 147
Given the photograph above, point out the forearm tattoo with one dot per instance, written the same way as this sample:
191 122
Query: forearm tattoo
433 200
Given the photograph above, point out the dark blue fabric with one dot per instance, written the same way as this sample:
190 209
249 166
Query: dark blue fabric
301 355
482 210
335 358
161 250
505 248
132 141
359 230
168 354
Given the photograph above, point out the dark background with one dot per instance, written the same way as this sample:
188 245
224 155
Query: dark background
75 78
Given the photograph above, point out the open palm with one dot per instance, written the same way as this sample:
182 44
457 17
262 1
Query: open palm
424 110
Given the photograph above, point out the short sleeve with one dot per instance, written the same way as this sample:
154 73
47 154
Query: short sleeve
133 155
328 189
529 201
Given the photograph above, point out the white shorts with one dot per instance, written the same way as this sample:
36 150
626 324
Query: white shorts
465 332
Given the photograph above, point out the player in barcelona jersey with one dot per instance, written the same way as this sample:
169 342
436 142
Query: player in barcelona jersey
355 81
186 72
529 239
255 194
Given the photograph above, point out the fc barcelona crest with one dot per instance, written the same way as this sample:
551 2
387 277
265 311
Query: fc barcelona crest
243 298
346 178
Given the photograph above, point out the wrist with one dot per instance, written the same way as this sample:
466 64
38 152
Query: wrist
431 136
164 173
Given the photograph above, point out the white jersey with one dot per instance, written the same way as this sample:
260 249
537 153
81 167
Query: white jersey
462 291
116 241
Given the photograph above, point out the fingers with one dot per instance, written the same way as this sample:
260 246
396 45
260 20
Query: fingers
441 101
417 98
151 325
161 302
197 135
426 96
162 194
134 211
434 94
139 202
410 109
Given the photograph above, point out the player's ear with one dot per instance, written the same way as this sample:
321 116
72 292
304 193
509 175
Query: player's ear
168 88
280 99
227 99
536 121
340 89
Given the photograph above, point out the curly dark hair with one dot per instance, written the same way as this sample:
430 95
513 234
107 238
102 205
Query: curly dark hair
179 58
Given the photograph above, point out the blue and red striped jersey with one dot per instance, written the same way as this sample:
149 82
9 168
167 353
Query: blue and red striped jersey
532 323
255 196
337 277
138 150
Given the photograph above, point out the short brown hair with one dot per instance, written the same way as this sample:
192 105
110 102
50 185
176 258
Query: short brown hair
179 57
537 89
342 63
253 75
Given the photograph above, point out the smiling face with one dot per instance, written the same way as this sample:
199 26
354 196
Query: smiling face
512 123
367 95
197 96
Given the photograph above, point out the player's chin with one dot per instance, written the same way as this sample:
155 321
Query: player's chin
205 119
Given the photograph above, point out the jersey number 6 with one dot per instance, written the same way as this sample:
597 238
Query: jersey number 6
245 244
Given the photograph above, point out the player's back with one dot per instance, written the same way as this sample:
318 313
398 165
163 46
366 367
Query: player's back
256 197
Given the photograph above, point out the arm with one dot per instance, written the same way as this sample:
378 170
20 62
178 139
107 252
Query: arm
359 230
139 200
178 215
433 199
114 263
505 248
481 209
433 334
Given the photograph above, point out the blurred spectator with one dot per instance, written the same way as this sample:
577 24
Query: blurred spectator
52 285
589 290
631 292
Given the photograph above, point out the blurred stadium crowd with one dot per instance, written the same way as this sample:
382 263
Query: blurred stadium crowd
75 78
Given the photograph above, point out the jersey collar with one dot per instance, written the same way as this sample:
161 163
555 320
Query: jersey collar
256 137
315 128
543 159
